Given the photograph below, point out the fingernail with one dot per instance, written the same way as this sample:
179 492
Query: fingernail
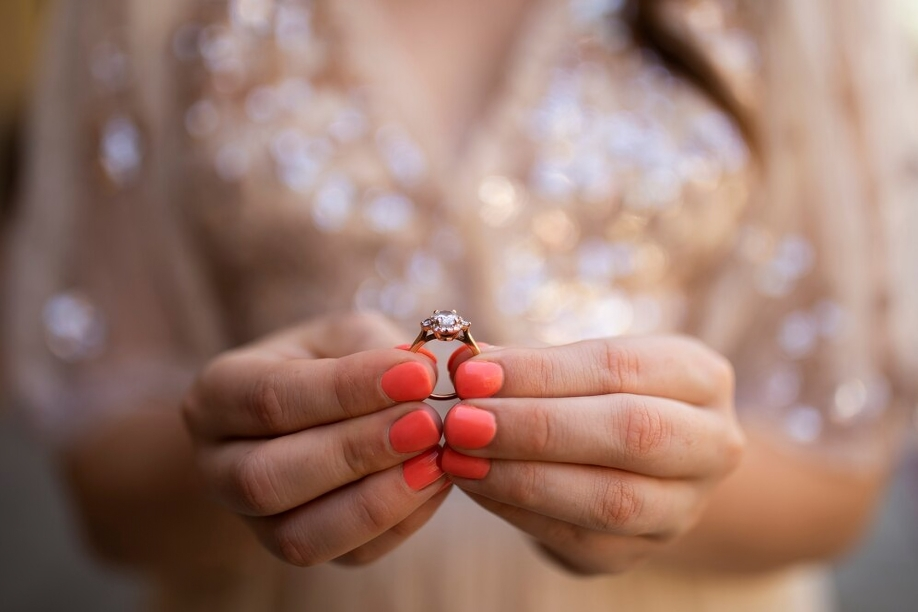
469 427
407 381
422 471
422 351
413 432
464 466
463 352
479 379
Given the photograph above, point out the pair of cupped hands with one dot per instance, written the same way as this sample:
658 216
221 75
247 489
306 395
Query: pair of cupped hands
603 451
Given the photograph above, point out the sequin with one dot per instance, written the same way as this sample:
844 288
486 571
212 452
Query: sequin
121 149
850 400
793 258
402 155
549 180
333 203
74 328
219 49
294 94
293 27
261 104
556 229
608 316
500 200
798 334
597 260
425 270
299 158
829 317
256 15
397 299
803 424
782 385
349 125
389 212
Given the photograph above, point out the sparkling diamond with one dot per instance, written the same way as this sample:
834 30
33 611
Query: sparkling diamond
445 325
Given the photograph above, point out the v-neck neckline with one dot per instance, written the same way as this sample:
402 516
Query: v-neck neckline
380 65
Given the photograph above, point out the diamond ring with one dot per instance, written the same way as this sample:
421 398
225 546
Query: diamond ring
445 325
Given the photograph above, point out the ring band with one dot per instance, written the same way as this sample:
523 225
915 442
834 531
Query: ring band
445 325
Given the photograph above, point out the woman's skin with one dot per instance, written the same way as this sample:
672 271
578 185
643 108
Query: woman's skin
608 453
602 450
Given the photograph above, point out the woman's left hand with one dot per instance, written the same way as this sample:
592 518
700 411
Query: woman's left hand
604 450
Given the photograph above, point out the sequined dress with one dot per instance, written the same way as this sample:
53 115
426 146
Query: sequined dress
229 168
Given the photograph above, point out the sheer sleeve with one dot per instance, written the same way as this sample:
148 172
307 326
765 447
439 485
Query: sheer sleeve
815 304
106 310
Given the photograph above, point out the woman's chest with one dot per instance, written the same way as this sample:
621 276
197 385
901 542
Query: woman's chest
593 186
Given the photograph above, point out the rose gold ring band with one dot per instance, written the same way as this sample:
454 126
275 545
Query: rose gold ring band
445 325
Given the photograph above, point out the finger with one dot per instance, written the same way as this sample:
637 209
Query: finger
637 433
248 393
261 478
339 334
348 518
600 499
666 366
388 541
463 354
595 552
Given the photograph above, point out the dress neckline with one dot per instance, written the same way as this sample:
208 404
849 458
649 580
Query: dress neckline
373 60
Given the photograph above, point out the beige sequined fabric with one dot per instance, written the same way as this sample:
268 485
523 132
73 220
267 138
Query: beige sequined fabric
207 172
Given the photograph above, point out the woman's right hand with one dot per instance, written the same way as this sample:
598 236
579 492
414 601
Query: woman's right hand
318 437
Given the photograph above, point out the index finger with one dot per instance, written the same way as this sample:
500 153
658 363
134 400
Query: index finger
257 393
674 367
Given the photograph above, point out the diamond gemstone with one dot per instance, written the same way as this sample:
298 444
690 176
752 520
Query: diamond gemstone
445 325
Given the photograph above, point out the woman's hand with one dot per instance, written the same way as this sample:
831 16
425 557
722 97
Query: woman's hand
318 437
603 450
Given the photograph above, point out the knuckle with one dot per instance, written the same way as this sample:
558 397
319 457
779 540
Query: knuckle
646 430
355 455
371 514
345 384
621 365
293 549
734 447
716 369
191 410
722 373
539 371
527 485
254 486
540 433
617 505
264 402
364 555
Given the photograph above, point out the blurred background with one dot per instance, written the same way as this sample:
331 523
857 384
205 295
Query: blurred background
39 542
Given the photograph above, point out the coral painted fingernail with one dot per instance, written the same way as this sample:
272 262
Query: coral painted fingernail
422 351
464 466
469 427
407 381
413 432
479 379
422 471
463 353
